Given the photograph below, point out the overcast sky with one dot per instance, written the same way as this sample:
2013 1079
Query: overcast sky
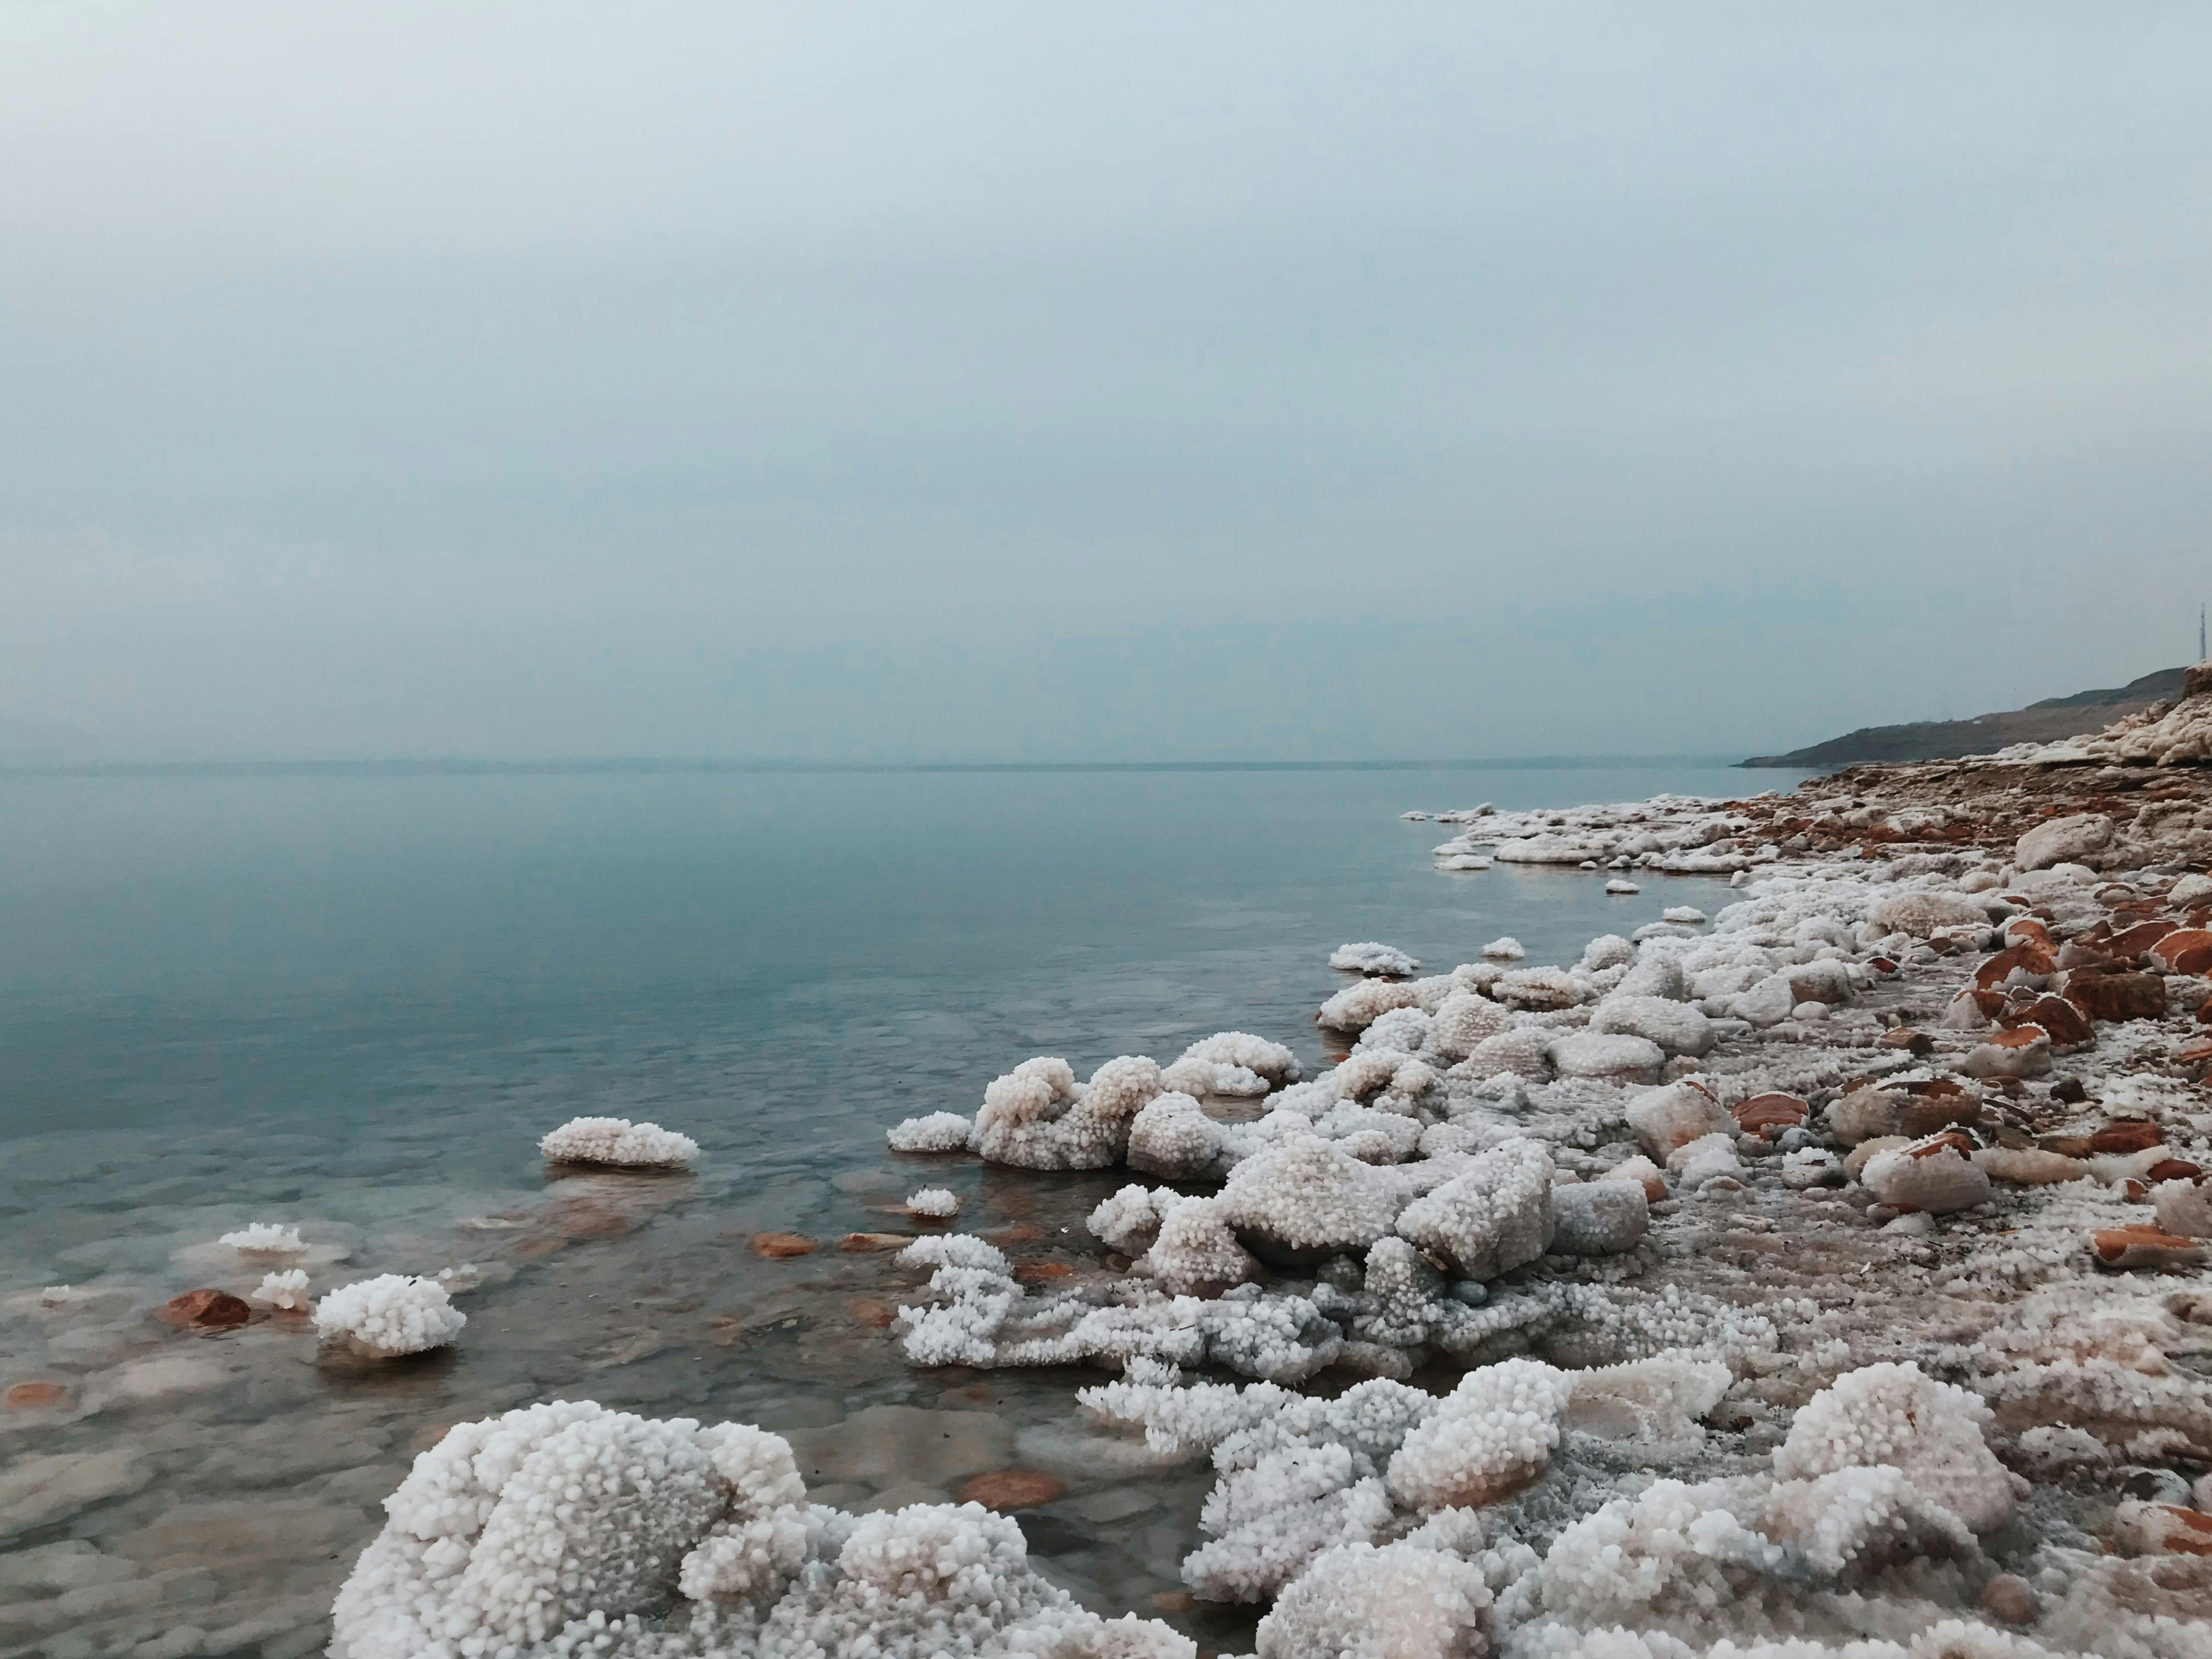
1053 381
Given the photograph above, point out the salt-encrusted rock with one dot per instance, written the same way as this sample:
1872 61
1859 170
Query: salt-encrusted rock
1937 1174
1173 1137
2142 1247
1618 1057
1272 1062
935 1203
1672 1116
1369 958
205 1311
1401 1030
1356 1007
554 1527
1676 1027
1924 915
1491 1436
1620 887
2184 1207
1709 1157
1537 988
2024 1052
1306 1200
2074 840
389 1316
1038 1117
1655 973
2189 891
1196 1254
939 1132
1643 1172
265 1238
1493 1218
617 1141
1507 949
1682 913
1606 950
1521 1053
1599 1217
1399 1601
1894 1414
1459 1024
287 1291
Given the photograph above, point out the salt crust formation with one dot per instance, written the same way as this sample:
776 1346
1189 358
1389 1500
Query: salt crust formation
287 1290
569 1529
1373 959
616 1140
934 1202
1820 1336
265 1238
389 1316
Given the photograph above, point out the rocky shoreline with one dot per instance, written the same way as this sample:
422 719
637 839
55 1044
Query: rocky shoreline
1824 1278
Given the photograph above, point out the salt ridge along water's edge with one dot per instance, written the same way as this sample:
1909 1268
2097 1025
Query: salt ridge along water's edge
1851 1495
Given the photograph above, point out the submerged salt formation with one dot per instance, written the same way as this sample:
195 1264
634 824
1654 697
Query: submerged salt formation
265 1238
568 1529
389 1316
617 1141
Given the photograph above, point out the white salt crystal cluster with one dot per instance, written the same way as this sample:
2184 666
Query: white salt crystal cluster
937 1131
265 1238
935 1202
568 1529
287 1290
389 1316
1369 958
617 1141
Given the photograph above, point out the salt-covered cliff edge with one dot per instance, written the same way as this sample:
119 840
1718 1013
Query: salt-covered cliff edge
1826 1281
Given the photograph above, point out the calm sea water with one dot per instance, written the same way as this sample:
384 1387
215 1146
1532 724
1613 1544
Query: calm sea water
355 1003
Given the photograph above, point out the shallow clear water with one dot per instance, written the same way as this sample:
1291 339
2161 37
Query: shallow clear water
354 1004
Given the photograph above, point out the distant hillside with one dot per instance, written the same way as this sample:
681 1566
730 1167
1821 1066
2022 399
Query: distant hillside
2039 722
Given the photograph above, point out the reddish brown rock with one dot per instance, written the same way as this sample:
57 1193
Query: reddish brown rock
2195 1053
2172 1168
2130 1135
2143 1247
1937 1104
2131 943
2027 930
871 1311
855 1243
1020 1233
2169 1529
1769 1115
204 1310
36 1396
1037 1272
1913 1042
2008 1598
2116 996
2186 951
2030 960
777 1246
2067 1025
1011 1489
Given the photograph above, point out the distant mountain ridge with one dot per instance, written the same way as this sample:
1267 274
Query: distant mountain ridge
2039 722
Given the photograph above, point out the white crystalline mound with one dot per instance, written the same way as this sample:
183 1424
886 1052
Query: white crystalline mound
1306 1196
1038 1117
939 1132
1894 1414
266 1238
1936 1179
287 1290
1462 1021
1490 1437
1272 1060
557 1528
1196 1254
1539 989
1173 1137
934 1202
1402 1031
1599 1217
1616 1057
1494 1217
1665 1119
1401 1601
1507 949
1682 913
1676 1027
1356 1007
1370 958
1921 913
616 1140
389 1316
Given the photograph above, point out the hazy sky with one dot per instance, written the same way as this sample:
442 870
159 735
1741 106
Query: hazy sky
1053 381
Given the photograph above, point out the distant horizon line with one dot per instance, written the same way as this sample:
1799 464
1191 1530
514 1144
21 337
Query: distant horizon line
405 766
